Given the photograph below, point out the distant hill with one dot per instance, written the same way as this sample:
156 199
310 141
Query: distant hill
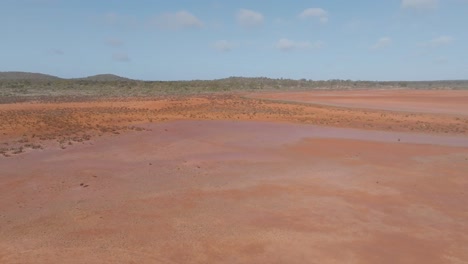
106 78
11 76
30 76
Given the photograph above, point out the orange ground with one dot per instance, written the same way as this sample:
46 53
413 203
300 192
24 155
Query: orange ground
228 179
423 101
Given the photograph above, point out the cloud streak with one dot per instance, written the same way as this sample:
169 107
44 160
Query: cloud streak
285 45
317 13
382 43
223 46
177 21
440 41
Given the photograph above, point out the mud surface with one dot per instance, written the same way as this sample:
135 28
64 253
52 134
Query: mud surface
231 180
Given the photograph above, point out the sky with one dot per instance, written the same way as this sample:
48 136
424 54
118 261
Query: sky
383 40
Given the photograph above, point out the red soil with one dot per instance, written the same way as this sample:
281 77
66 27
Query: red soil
424 101
231 191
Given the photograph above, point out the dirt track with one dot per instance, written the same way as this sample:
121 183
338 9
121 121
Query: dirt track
233 180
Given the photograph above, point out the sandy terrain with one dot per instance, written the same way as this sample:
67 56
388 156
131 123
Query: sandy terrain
424 101
227 179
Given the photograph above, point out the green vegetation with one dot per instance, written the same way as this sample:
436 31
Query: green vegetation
23 86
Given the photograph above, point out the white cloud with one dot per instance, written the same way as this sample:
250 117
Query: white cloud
440 41
121 57
249 19
382 43
318 13
289 45
176 21
114 42
223 46
419 4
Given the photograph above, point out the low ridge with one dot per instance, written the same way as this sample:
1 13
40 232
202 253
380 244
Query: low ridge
106 78
27 76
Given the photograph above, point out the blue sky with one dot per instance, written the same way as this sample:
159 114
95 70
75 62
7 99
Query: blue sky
210 39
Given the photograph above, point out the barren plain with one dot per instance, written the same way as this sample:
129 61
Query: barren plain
285 177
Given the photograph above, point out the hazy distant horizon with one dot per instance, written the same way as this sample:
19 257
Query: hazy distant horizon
227 77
